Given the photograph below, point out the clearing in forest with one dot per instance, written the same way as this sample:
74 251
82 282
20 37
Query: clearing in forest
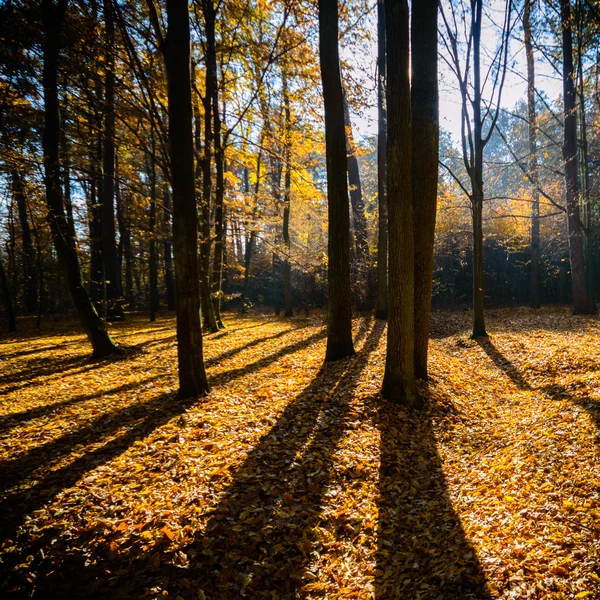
294 479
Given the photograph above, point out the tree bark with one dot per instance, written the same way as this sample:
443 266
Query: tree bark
476 176
220 228
152 255
114 307
192 375
53 17
8 303
381 311
287 197
533 170
339 311
581 303
29 272
356 200
399 376
425 143
167 250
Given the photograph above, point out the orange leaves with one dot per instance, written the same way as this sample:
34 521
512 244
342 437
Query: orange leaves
268 490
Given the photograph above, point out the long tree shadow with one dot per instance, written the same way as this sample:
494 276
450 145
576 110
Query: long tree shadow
15 508
12 420
258 538
16 470
503 363
422 550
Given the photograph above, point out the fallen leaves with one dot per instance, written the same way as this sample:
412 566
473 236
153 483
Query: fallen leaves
293 478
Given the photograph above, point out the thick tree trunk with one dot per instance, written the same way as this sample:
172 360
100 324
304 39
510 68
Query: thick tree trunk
339 310
114 307
399 376
533 170
7 296
167 251
64 243
425 143
192 376
381 311
29 272
581 303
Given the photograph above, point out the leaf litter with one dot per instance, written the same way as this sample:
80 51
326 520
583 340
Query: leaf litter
294 479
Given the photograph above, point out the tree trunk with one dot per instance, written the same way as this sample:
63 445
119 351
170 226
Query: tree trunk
339 311
356 199
192 376
381 311
114 306
152 258
287 269
29 272
586 207
581 303
250 240
425 143
399 376
533 170
96 284
220 229
476 175
53 17
167 234
478 296
8 303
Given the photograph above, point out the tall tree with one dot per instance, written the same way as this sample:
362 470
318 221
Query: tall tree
425 144
533 168
287 200
29 273
53 17
109 244
339 311
478 122
382 237
581 301
176 50
399 376
7 297
361 243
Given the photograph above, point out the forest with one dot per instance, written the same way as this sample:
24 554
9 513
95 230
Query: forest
298 299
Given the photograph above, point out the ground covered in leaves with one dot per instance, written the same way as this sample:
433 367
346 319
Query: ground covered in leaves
296 480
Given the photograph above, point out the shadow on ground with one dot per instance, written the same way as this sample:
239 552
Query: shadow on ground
422 551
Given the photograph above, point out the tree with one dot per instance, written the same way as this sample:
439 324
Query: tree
478 122
53 18
176 50
582 304
399 376
112 277
425 143
533 168
382 239
339 311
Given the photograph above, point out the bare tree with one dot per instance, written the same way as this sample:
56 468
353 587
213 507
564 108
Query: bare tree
478 118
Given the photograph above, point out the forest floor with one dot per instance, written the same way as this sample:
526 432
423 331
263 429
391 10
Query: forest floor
296 480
